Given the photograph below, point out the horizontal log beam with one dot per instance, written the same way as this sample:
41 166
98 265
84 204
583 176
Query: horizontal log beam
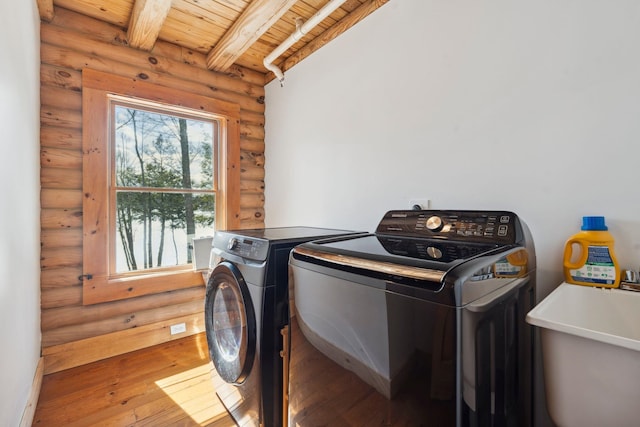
60 158
125 322
78 314
81 352
61 277
61 218
57 137
53 238
45 9
60 198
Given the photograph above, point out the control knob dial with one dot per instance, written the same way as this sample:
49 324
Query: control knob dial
434 252
232 243
434 223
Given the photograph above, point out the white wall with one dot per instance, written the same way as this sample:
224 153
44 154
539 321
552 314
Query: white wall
20 211
526 106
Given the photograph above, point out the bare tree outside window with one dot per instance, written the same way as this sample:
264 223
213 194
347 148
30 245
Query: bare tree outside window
164 185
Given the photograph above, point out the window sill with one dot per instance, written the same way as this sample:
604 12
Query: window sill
98 290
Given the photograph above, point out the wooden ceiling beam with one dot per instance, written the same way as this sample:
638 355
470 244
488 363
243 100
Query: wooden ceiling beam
147 18
45 8
256 19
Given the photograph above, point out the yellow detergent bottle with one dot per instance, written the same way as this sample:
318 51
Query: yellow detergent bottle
596 263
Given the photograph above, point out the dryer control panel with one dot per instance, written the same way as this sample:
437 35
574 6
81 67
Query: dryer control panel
498 227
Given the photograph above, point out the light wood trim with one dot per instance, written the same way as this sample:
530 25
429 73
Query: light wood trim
147 18
229 179
99 290
256 19
329 34
45 8
98 286
110 83
285 354
95 220
76 353
34 393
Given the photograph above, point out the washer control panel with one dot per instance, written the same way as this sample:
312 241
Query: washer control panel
481 226
444 251
242 246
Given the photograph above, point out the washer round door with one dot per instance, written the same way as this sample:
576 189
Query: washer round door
230 323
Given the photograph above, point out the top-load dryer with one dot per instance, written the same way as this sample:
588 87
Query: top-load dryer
419 323
246 308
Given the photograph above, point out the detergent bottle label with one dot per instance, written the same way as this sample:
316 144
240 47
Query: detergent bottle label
599 268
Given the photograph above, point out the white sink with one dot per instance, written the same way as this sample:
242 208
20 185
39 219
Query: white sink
591 355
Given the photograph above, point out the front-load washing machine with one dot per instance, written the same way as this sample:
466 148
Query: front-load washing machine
246 309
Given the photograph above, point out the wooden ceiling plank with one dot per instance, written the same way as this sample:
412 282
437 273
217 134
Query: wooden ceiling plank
200 34
113 11
45 8
220 18
147 19
214 9
351 5
256 19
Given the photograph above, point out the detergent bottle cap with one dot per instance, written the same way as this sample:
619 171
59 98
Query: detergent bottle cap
593 223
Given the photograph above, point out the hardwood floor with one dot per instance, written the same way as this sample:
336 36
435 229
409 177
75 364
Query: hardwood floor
165 385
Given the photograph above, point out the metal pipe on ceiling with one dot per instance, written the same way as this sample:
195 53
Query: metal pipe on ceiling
301 30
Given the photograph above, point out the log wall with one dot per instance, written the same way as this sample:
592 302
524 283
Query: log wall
69 43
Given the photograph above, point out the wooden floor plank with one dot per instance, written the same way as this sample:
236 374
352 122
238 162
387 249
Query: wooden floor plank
166 385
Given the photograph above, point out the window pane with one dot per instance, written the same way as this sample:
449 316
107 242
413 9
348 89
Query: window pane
156 229
162 151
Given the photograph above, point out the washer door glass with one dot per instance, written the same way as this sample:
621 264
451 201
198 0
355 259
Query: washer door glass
230 323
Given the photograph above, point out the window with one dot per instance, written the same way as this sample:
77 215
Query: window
162 188
160 167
